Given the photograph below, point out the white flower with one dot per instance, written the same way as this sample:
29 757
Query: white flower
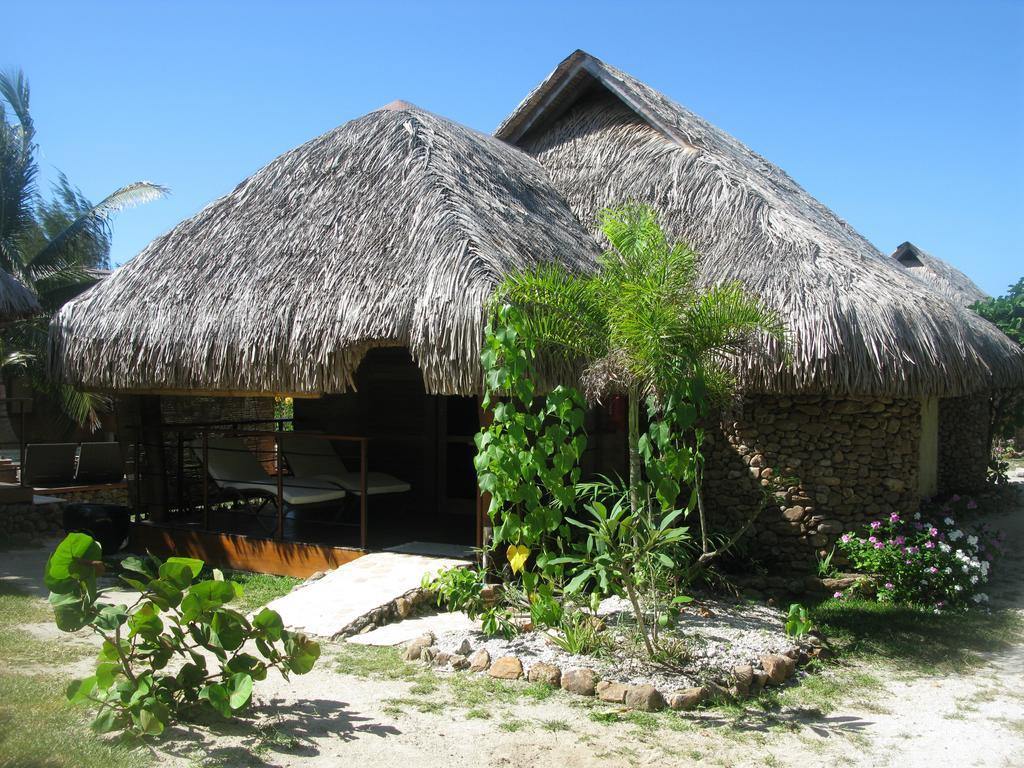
917 515
947 570
957 588
972 540
955 535
949 521
981 597
945 547
974 579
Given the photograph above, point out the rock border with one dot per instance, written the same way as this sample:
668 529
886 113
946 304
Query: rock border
745 680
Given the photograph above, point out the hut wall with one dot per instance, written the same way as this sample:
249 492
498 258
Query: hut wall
848 461
964 443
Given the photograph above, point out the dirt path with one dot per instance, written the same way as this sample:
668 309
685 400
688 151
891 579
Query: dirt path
328 719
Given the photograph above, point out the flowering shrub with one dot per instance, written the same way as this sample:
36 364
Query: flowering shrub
939 564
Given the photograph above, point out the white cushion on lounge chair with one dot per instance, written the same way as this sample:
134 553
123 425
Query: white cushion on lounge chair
376 482
310 456
294 492
232 465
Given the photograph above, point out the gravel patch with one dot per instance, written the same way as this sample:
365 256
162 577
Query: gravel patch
719 634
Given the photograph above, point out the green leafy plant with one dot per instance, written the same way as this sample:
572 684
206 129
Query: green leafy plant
461 589
798 621
825 567
174 617
618 551
998 472
581 633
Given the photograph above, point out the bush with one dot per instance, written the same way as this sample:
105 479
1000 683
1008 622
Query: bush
939 564
174 617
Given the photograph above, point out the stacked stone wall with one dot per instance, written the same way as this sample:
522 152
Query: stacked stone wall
828 465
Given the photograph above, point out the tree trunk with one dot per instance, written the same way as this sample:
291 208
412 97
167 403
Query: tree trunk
635 469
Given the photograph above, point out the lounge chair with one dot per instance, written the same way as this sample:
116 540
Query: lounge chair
314 458
49 465
100 463
233 467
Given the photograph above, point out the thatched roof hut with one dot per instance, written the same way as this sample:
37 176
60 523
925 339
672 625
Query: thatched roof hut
859 322
390 230
16 301
938 275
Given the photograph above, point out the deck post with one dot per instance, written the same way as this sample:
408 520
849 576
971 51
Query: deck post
363 449
280 487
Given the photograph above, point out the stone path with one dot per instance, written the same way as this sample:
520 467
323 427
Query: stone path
335 604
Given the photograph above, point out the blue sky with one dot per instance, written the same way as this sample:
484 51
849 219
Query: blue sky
906 118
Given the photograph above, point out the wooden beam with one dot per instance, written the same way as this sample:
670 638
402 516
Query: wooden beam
244 553
210 393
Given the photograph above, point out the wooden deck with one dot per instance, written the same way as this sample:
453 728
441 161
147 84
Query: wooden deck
238 551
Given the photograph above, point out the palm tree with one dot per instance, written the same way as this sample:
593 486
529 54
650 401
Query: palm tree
57 247
641 325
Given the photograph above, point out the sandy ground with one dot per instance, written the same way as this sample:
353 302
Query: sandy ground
327 719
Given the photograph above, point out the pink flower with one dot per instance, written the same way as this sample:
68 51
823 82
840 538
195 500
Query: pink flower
929 545
900 541
872 539
933 532
933 569
972 504
918 526
890 585
837 595
955 497
876 524
894 517
879 545
845 538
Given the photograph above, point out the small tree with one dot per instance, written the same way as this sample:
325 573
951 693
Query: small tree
642 326
1007 313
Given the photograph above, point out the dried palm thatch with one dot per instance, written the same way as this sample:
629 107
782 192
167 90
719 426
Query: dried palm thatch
391 230
938 275
859 323
16 301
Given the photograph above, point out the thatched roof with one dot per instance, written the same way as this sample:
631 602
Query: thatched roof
16 301
859 322
938 275
390 230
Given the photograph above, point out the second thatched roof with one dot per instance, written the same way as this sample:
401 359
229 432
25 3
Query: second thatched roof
860 324
938 275
391 230
16 301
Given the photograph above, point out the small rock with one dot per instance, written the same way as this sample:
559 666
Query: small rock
368 628
443 659
490 593
646 698
403 607
506 668
715 692
743 678
545 673
459 661
614 693
464 648
479 661
688 699
415 649
580 681
778 667
759 682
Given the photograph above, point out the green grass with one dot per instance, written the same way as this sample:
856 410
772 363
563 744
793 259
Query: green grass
915 639
38 729
19 647
367 661
259 588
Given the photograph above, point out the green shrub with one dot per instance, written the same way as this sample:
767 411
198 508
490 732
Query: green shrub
174 616
938 563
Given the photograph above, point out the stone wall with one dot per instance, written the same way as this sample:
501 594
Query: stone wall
847 461
110 494
29 523
964 443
